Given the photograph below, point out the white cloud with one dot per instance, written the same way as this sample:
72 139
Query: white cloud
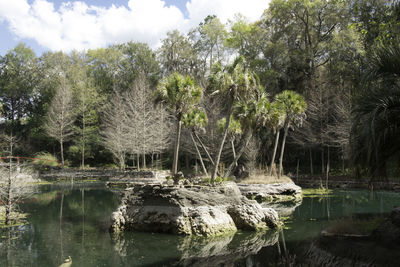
75 25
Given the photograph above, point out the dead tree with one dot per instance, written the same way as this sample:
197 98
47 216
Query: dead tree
60 117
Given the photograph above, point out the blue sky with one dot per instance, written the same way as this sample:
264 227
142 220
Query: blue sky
70 24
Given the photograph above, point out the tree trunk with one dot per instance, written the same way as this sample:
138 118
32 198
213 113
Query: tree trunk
83 140
246 138
327 169
274 153
199 155
176 150
322 161
144 161
204 148
343 168
282 150
138 161
297 170
311 163
233 148
62 153
221 146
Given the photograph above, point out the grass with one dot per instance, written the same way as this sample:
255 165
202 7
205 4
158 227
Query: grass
259 177
316 192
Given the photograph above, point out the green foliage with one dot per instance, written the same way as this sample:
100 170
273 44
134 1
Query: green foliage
179 92
45 159
291 103
376 125
234 127
195 118
206 180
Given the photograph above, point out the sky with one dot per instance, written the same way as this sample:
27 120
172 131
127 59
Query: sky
54 25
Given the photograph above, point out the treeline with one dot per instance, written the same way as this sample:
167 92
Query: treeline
126 103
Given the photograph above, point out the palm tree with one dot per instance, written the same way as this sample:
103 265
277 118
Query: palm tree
252 115
235 130
375 136
180 93
235 83
196 119
277 122
294 107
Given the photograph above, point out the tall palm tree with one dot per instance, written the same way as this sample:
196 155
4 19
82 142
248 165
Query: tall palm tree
180 93
278 117
294 107
196 119
252 115
236 83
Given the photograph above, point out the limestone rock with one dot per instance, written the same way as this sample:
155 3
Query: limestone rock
191 210
271 192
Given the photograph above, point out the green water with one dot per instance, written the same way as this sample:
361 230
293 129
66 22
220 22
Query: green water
73 221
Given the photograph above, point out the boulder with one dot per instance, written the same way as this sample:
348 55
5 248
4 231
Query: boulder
190 210
271 192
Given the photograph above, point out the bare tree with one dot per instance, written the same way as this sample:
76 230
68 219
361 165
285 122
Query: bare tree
14 186
113 130
14 182
147 125
133 124
60 117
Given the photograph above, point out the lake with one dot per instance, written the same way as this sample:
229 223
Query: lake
73 220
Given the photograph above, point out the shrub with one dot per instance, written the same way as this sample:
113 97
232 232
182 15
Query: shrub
218 179
45 159
206 180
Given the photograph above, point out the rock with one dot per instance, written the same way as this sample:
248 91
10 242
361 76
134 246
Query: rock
191 210
389 231
271 192
283 209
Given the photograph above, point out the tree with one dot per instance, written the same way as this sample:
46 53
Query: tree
147 124
277 124
209 39
294 107
180 93
60 116
18 80
196 119
235 83
88 102
375 129
252 113
113 128
235 130
14 183
177 54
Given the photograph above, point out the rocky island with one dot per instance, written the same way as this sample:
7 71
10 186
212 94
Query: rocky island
190 210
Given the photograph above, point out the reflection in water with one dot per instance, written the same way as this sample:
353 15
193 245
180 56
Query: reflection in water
75 223
61 234
191 251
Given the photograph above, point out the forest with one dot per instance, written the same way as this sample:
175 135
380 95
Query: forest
313 86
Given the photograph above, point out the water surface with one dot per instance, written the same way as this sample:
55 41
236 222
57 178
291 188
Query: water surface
73 221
